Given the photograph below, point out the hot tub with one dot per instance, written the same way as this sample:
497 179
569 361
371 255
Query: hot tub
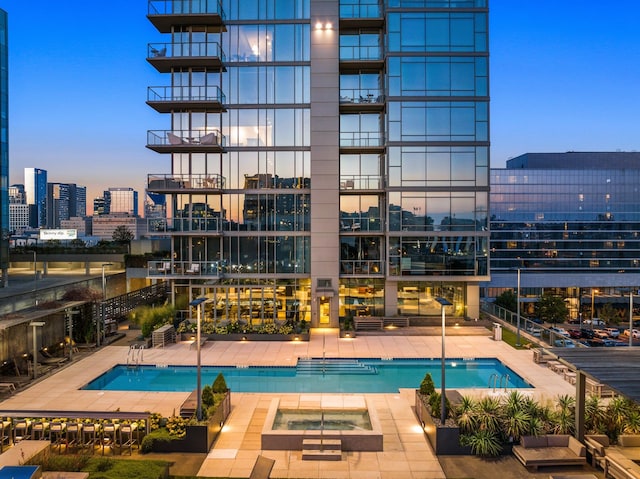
357 428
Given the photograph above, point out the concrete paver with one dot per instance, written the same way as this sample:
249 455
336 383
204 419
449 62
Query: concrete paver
406 454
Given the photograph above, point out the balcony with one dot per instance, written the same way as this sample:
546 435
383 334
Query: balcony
165 56
183 269
366 14
361 267
365 142
210 225
185 141
164 14
359 184
165 99
160 183
354 100
361 58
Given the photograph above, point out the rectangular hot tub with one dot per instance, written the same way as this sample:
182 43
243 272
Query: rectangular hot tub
357 428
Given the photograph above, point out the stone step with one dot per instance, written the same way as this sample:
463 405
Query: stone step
321 443
324 455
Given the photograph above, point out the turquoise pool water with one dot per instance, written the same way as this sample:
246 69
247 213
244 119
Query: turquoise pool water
315 375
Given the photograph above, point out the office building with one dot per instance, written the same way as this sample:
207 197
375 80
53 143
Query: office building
35 187
100 206
77 200
4 149
103 226
57 204
117 201
570 222
326 159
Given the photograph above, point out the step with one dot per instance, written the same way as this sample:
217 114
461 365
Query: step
321 443
324 455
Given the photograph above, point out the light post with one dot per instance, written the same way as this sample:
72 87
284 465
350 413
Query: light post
35 325
70 314
35 277
593 297
197 303
518 313
104 298
443 398
630 317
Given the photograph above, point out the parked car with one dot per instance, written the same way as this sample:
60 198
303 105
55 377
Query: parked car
612 332
601 334
635 333
564 343
574 333
536 320
587 333
595 322
574 321
560 331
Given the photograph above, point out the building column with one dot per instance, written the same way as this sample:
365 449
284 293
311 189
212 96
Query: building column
325 158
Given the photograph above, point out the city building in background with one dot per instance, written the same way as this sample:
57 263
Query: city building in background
4 149
570 222
35 187
327 159
122 201
103 226
64 201
100 206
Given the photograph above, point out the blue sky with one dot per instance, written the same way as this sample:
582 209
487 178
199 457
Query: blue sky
565 75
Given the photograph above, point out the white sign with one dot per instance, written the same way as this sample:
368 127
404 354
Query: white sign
58 234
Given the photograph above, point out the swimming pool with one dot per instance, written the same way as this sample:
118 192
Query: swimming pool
331 375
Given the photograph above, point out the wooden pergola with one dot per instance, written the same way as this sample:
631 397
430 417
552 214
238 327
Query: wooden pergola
618 368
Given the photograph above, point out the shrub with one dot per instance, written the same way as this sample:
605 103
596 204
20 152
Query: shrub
219 385
207 396
427 387
149 440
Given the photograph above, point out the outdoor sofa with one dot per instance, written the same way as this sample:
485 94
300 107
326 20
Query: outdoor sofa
550 450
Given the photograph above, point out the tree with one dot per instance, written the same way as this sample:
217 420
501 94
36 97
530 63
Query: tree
551 308
508 300
122 234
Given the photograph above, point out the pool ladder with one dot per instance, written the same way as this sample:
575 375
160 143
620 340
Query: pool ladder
500 382
135 355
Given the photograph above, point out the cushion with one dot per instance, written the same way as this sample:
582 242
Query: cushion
557 440
629 440
577 447
533 441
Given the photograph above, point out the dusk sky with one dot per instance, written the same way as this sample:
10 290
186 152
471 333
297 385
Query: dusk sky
565 76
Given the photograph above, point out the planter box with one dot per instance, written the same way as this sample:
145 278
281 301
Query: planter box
199 438
445 440
247 337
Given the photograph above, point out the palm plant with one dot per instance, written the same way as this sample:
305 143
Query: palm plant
616 413
632 424
466 415
489 414
484 443
594 417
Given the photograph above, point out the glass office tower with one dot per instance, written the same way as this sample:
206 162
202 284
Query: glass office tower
4 149
571 223
328 158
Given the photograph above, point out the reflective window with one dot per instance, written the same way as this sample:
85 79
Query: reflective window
266 43
265 9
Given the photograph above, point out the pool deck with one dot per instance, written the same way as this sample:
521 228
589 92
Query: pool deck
406 454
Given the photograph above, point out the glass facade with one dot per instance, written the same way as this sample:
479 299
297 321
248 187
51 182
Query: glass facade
4 149
389 111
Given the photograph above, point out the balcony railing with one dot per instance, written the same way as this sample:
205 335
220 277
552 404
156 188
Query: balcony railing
360 223
360 53
210 269
358 139
361 96
161 183
164 14
361 10
185 225
168 141
361 267
364 182
167 98
164 56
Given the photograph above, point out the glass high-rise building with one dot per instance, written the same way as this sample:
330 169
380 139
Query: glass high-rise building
35 187
4 148
328 159
570 222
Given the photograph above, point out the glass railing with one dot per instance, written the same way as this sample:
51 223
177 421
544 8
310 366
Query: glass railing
371 267
360 53
185 225
183 268
364 182
157 51
180 7
361 139
361 10
186 93
367 95
180 138
178 182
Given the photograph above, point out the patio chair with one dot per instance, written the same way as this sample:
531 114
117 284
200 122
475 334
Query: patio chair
194 269
21 430
262 468
209 139
73 435
174 139
89 437
40 430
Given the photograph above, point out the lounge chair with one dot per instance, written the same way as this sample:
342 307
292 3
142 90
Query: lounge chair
194 269
209 139
174 139
45 358
262 468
